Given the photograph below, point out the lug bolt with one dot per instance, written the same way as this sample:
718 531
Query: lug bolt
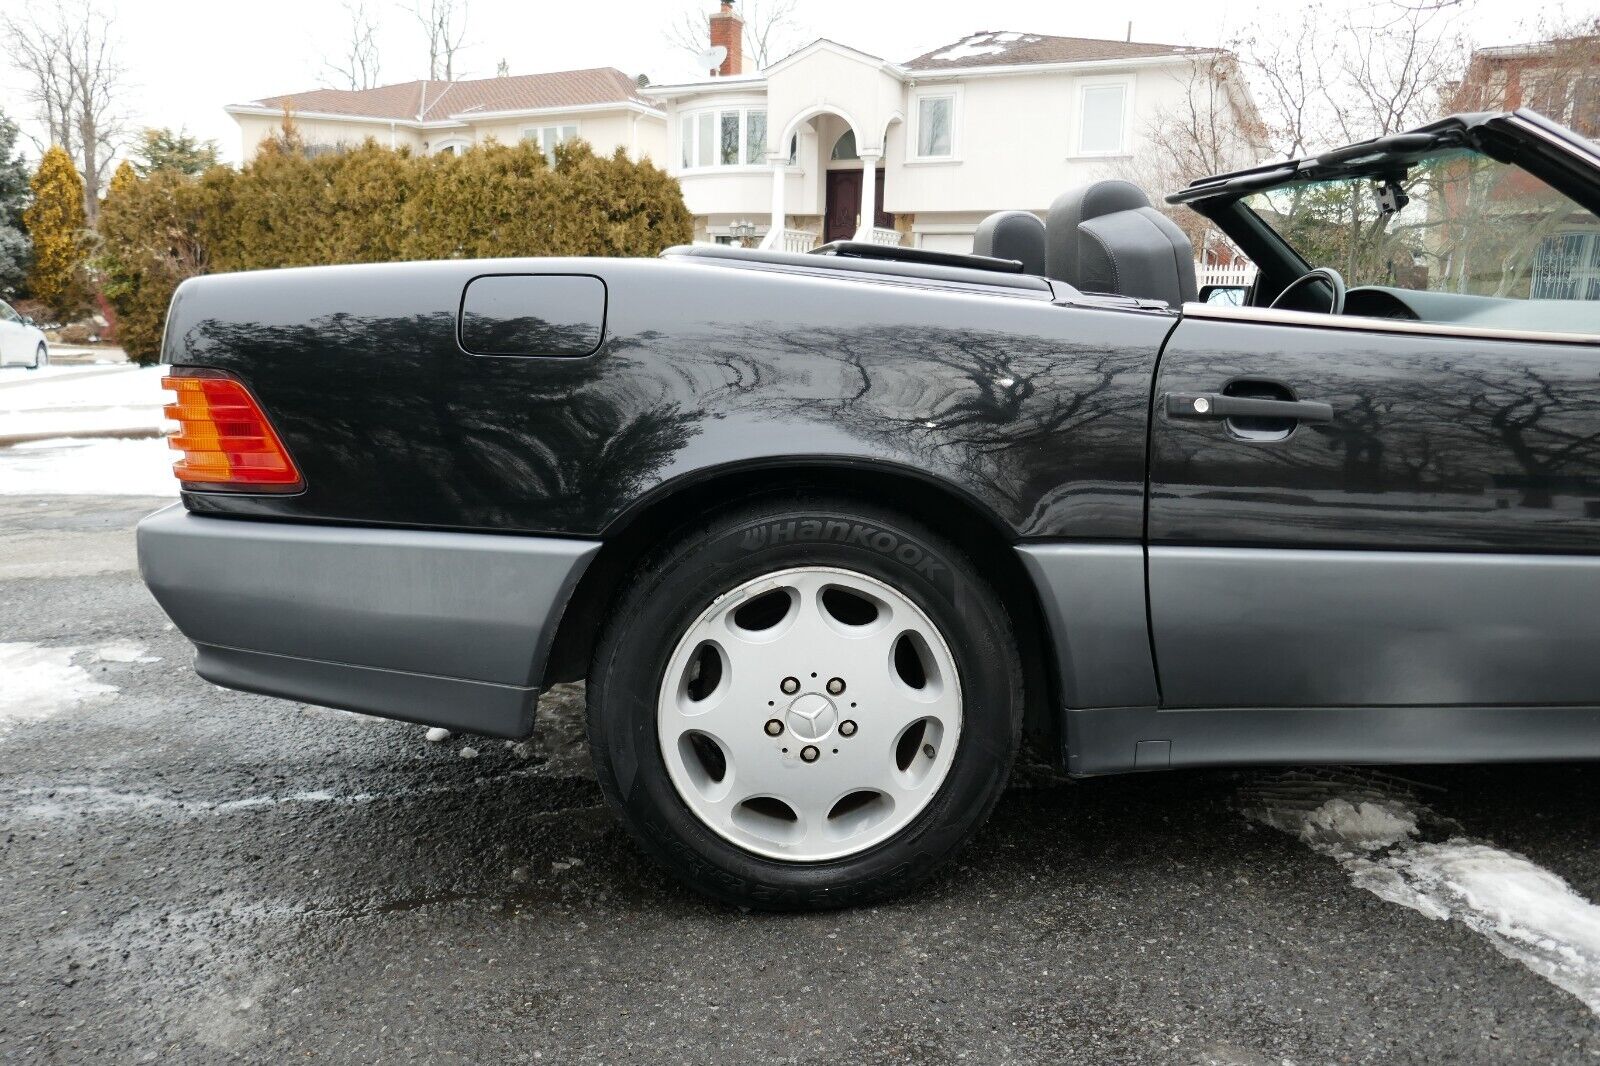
928 750
809 753
774 727
790 686
847 728
835 686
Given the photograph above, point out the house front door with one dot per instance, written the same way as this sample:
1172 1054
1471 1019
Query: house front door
844 205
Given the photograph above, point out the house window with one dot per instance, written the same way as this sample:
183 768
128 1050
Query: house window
755 137
547 137
1566 266
723 138
936 127
1102 119
845 146
705 129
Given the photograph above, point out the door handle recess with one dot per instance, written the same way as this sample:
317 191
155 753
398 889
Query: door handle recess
1214 405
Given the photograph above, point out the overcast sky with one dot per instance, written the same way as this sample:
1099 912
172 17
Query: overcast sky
188 58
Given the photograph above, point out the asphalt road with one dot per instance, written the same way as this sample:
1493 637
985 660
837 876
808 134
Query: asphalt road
189 874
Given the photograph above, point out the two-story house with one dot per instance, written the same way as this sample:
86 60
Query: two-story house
831 142
601 106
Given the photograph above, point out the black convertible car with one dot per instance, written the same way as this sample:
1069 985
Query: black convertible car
827 533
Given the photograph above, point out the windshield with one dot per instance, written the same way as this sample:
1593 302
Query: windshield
1454 222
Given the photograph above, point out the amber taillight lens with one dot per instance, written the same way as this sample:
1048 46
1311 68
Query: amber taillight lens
225 438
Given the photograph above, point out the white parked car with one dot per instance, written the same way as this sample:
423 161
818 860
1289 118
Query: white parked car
21 342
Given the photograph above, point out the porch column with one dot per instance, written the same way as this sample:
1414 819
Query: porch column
869 196
774 237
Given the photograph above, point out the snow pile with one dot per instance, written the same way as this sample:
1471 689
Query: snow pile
40 682
67 400
113 467
1526 912
125 653
979 44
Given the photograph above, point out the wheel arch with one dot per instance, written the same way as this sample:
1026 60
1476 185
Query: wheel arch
953 512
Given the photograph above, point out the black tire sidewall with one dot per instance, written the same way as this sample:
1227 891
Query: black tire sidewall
672 592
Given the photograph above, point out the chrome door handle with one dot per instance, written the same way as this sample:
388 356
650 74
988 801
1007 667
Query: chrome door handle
1215 405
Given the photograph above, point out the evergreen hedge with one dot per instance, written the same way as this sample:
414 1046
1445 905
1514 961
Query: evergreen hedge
371 205
56 224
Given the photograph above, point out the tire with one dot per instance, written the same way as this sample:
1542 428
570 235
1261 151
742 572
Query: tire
918 788
41 357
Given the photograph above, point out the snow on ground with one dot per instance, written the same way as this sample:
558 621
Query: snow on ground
126 652
67 400
112 467
40 682
1526 912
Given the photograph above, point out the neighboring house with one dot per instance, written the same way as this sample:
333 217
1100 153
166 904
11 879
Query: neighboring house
832 143
1560 79
601 106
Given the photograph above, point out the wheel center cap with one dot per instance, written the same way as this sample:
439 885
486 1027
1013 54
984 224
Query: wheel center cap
812 716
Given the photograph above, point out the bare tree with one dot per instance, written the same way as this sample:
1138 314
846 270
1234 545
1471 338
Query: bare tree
69 53
1289 71
356 65
444 22
1211 126
1386 66
1397 61
771 29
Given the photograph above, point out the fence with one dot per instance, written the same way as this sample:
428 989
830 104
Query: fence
1232 274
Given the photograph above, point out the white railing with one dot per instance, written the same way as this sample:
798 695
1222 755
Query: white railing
797 240
1236 274
878 235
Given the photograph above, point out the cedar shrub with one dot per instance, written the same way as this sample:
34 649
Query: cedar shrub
372 205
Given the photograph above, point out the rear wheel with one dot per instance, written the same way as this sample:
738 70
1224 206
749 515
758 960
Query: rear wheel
805 703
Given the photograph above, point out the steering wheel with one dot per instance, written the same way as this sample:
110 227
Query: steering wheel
1330 276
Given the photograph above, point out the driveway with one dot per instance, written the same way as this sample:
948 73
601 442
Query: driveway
190 874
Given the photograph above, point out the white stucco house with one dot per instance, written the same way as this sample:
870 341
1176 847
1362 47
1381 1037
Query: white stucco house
831 142
600 105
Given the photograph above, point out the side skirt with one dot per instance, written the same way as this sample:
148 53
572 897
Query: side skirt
1118 739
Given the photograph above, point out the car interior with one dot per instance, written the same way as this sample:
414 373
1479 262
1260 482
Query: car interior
1455 224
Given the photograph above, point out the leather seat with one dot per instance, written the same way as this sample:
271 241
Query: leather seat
1105 237
1015 235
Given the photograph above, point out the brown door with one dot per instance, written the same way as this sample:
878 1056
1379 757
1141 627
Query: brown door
844 205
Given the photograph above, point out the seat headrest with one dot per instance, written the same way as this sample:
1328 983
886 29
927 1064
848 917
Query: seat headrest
1105 237
1015 235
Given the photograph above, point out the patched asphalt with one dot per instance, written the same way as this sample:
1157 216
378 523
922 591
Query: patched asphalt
190 874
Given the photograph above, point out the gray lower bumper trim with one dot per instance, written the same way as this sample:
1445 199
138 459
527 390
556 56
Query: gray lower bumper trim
470 706
446 628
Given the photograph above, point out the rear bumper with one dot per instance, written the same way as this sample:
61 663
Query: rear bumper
448 629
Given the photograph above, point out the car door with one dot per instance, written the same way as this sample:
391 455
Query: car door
1416 524
12 336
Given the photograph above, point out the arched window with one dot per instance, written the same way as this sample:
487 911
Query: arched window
845 147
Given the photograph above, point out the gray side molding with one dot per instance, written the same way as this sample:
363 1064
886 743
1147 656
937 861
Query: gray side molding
1093 598
1279 627
297 599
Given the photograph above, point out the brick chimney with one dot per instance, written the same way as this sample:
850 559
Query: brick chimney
727 30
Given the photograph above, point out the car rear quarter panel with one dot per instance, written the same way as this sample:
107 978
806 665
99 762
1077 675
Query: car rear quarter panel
1034 411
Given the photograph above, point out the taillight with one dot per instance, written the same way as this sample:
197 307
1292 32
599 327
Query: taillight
226 440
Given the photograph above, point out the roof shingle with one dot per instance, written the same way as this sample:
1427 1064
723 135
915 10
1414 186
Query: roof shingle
428 101
993 48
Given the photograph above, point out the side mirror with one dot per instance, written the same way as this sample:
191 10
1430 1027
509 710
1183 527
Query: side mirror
26 321
1227 295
